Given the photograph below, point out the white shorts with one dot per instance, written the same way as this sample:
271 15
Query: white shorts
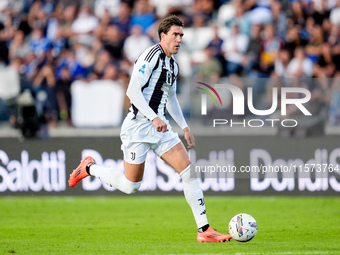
139 136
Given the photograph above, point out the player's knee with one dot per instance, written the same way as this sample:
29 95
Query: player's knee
133 187
185 172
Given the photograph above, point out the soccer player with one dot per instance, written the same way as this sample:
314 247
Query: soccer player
152 88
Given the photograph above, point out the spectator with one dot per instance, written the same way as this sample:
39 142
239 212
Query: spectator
326 28
300 66
334 35
111 72
281 63
298 16
30 65
313 48
66 21
216 42
279 18
27 5
211 68
64 94
241 20
234 50
84 26
109 6
252 58
123 19
216 46
320 12
37 17
39 44
143 15
306 31
205 7
85 56
270 48
258 13
104 22
14 8
335 42
293 39
334 108
165 7
324 67
199 19
44 83
9 88
113 42
51 35
69 60
49 6
334 16
58 43
19 48
102 61
3 47
6 27
136 43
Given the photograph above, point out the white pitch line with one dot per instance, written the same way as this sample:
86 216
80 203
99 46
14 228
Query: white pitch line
253 253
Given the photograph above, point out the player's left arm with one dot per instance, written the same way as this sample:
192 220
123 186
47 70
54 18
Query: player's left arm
176 113
188 136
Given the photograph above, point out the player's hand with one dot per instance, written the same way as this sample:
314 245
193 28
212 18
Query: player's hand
160 125
189 138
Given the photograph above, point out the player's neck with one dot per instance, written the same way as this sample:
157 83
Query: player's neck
167 53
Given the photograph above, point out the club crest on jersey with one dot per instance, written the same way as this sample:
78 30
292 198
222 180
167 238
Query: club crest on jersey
142 69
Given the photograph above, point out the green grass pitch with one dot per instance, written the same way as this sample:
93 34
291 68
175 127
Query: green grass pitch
164 225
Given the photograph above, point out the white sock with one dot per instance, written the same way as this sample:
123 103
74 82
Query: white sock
114 178
194 196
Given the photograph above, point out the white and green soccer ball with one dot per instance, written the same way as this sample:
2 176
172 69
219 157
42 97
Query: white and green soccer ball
242 227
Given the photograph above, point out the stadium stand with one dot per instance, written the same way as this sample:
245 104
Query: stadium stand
49 44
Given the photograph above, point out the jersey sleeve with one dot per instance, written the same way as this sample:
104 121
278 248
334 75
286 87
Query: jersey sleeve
145 64
141 73
174 108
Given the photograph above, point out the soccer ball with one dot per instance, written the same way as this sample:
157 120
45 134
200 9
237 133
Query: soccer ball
242 227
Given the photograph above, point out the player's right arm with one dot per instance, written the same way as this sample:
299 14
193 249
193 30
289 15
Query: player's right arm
134 92
141 73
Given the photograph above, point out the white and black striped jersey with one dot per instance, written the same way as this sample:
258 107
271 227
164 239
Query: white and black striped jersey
155 75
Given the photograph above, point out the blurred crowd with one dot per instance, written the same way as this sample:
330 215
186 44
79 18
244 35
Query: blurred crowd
45 45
